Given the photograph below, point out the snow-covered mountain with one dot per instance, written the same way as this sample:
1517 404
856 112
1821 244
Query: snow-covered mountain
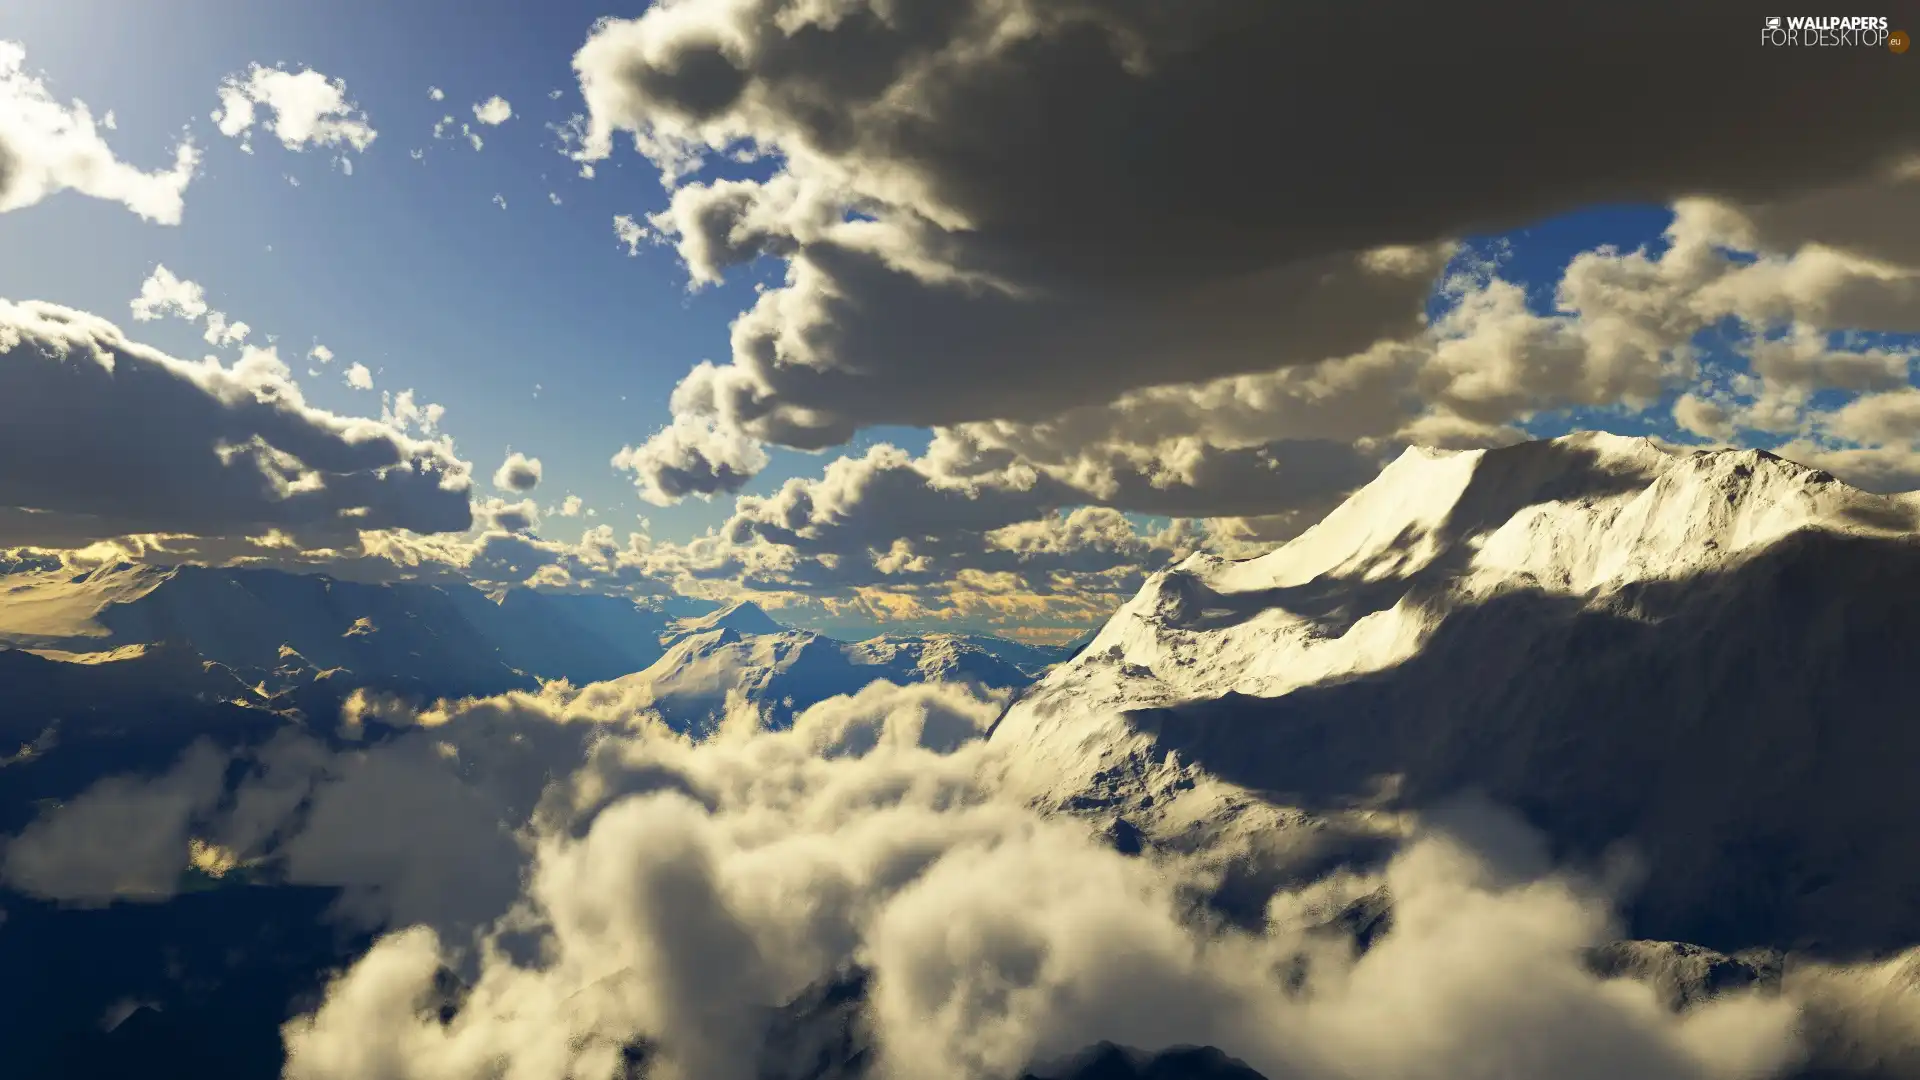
731 656
745 618
440 638
1707 655
960 657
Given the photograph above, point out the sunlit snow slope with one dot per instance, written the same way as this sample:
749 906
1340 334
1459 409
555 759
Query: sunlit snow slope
1711 656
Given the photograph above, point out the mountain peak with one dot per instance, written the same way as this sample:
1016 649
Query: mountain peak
1536 622
745 618
1588 507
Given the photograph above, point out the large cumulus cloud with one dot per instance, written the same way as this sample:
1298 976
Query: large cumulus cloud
107 437
596 882
1004 210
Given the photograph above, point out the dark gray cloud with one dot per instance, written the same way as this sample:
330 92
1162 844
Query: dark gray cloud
106 437
1060 203
518 474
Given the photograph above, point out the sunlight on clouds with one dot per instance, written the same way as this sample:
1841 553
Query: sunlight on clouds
47 147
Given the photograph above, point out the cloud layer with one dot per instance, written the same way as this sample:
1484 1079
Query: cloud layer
628 885
1004 211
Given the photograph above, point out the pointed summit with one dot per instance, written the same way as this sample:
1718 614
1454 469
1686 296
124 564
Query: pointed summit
1673 649
745 618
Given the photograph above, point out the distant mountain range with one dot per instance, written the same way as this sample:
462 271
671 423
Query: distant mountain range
442 638
282 629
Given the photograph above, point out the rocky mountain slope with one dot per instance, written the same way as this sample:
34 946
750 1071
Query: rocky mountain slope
444 637
732 656
1706 657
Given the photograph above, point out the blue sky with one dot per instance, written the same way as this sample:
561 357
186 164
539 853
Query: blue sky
491 282
407 266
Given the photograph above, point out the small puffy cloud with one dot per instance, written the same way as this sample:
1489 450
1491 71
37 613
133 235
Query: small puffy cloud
164 294
47 147
320 354
402 413
358 377
629 232
571 506
434 93
519 473
500 201
307 109
499 515
133 441
691 457
224 333
493 111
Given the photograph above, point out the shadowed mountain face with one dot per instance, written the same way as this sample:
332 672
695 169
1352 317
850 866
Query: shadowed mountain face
1746 732
779 674
435 638
194 988
1705 658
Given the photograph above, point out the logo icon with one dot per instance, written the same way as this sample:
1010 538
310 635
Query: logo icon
1773 23
1898 41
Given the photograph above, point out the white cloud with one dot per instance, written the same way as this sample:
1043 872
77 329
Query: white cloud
519 473
164 294
473 137
493 111
500 200
681 889
320 354
553 197
927 197
571 506
402 413
223 333
434 93
359 378
308 109
690 457
629 232
47 147
121 839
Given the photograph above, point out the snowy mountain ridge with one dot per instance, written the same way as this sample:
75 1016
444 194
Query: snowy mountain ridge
1685 651
705 672
1583 515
